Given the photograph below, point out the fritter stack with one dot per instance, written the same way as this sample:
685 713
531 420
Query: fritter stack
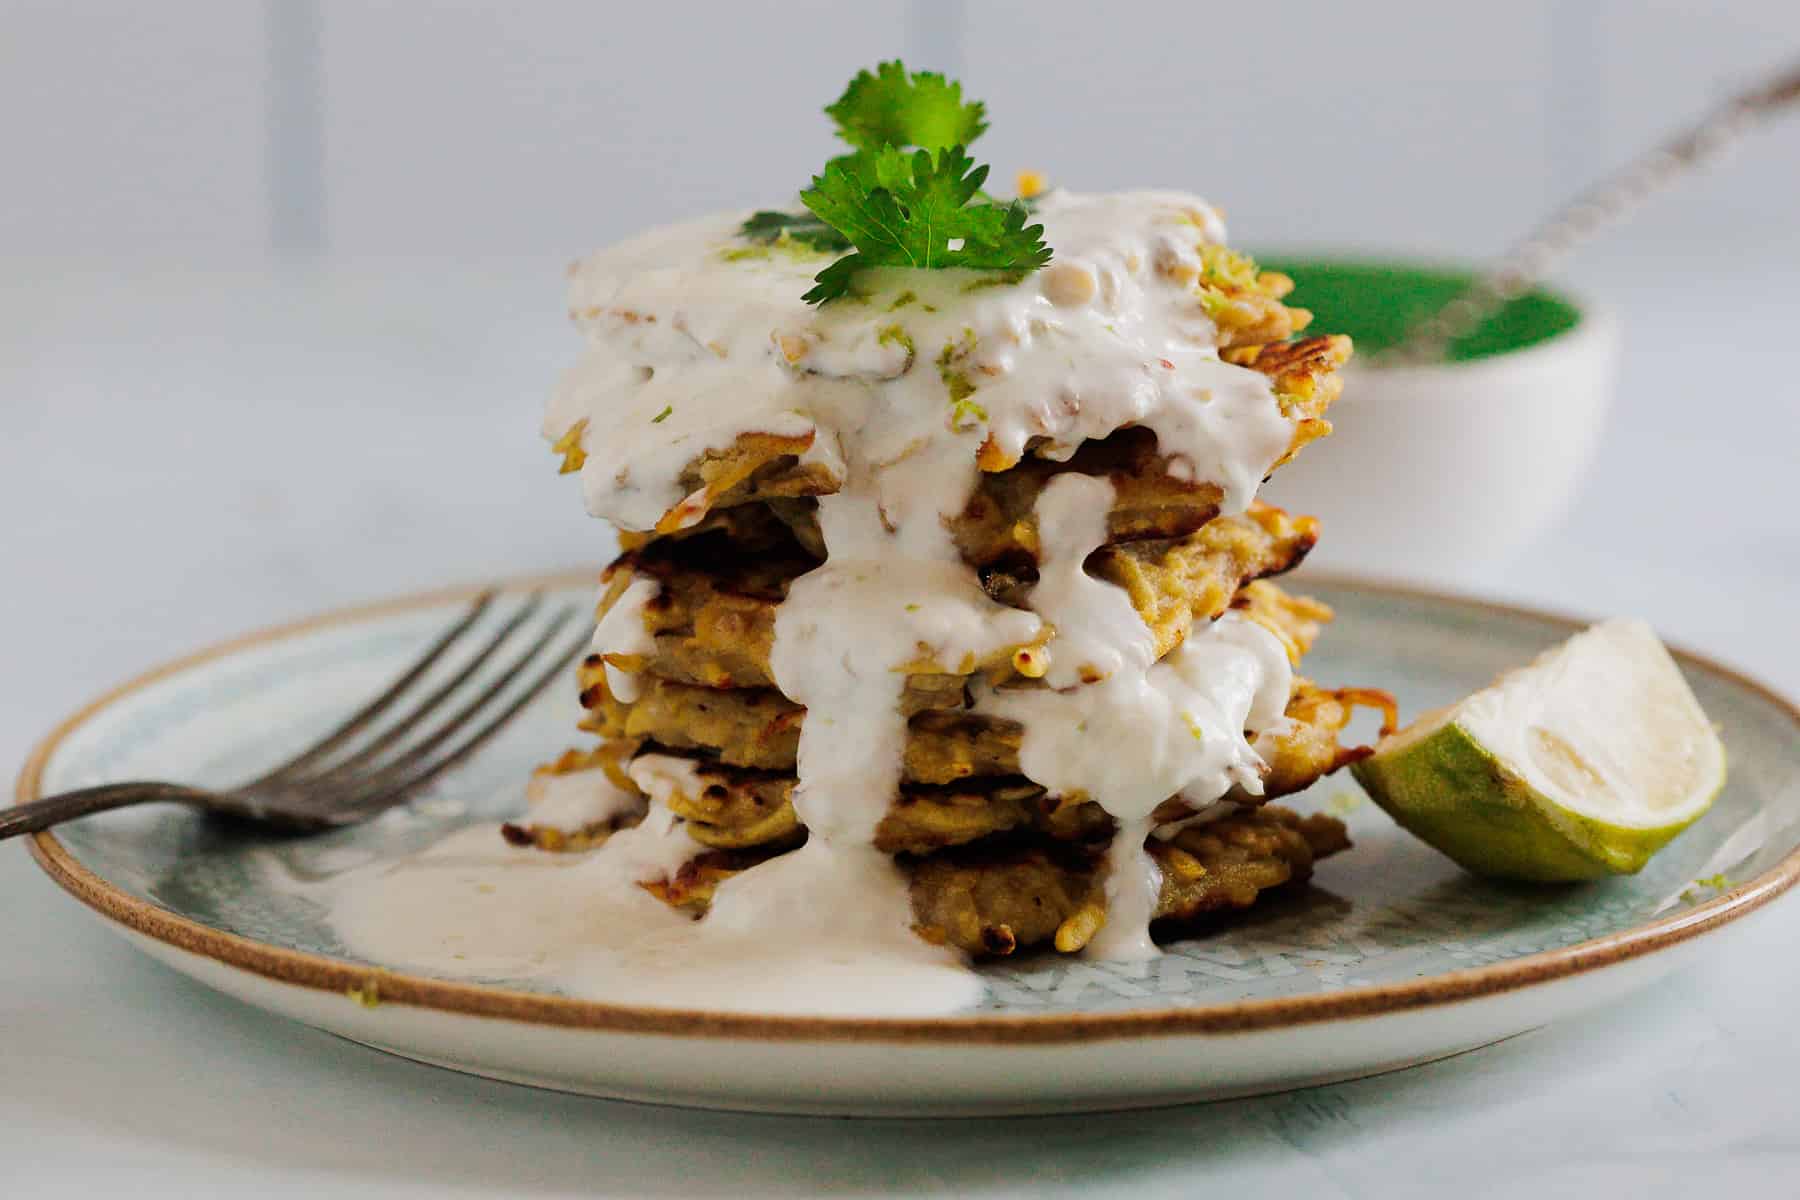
996 861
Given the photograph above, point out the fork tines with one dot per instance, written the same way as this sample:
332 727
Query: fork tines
468 683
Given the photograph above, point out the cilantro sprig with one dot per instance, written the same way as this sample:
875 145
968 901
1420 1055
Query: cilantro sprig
894 108
908 195
915 211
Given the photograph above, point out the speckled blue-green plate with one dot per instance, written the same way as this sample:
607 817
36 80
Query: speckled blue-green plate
1391 957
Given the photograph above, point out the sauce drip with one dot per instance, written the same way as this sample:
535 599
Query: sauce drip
695 338
621 631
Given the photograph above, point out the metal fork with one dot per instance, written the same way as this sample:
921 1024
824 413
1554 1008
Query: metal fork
337 782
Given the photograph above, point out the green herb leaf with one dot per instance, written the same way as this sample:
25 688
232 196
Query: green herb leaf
1002 241
906 211
910 195
894 108
767 227
835 281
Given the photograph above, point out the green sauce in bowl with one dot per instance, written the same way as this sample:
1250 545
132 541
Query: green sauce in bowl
1376 303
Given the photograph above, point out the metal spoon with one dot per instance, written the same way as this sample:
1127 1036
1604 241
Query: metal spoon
1529 260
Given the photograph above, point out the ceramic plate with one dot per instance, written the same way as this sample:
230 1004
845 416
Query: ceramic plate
1391 957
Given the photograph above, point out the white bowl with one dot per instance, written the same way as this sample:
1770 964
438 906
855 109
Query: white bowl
1435 471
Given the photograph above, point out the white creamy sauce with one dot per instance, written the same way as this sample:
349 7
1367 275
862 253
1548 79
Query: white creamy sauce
811 932
1133 884
1183 719
621 631
473 905
691 343
841 638
695 338
1168 830
1148 732
578 800
659 846
1098 632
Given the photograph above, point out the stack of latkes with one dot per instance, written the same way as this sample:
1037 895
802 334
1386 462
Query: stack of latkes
996 861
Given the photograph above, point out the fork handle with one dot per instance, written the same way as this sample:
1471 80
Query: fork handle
66 806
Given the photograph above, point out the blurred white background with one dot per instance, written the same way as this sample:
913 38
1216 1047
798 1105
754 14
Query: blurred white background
283 280
219 130
281 300
282 287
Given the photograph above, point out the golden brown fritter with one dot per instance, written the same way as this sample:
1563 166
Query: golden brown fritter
608 757
758 727
713 621
1305 374
998 526
1176 585
995 897
995 861
1304 377
1308 749
757 466
742 714
759 730
962 779
1154 501
995 901
737 533
1294 620
1243 301
743 810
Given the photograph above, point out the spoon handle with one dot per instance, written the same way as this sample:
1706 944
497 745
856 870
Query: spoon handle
1527 261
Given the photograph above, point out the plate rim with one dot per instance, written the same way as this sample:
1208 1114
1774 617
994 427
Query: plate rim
283 965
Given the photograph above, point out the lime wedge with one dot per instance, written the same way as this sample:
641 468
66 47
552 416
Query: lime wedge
1579 766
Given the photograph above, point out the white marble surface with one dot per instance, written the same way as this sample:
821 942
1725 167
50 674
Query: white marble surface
187 455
